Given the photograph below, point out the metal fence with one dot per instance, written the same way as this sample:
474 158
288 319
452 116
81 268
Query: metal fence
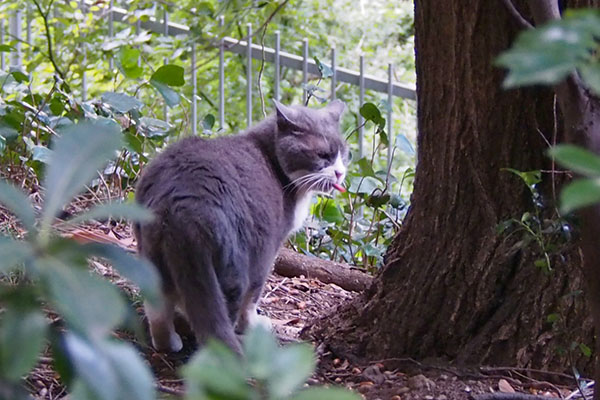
243 47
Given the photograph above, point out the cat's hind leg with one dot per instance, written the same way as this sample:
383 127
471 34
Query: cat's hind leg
162 329
250 317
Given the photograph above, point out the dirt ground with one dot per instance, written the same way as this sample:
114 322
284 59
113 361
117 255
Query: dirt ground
292 303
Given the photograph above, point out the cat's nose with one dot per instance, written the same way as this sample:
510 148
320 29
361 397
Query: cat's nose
338 174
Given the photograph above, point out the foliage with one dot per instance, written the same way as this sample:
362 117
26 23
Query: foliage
149 90
548 54
55 273
548 234
266 372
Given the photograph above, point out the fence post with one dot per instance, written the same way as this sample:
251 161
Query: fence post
249 76
111 32
277 66
16 20
194 91
333 74
221 75
304 71
2 59
390 122
361 100
166 61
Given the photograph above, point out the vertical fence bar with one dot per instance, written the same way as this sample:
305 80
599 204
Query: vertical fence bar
333 74
222 75
14 28
304 70
138 29
390 122
166 33
361 101
84 85
249 76
194 91
29 19
2 59
111 31
277 65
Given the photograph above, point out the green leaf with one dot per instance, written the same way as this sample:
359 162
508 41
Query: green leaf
215 372
546 55
365 167
585 350
578 194
371 112
89 304
259 348
82 149
4 48
171 97
330 212
133 143
324 69
152 127
552 318
577 159
14 252
208 122
139 271
121 102
18 203
591 76
135 381
405 145
20 76
130 211
128 62
21 341
321 393
41 154
364 185
170 75
92 367
530 178
291 367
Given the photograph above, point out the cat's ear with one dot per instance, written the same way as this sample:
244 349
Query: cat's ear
285 115
336 109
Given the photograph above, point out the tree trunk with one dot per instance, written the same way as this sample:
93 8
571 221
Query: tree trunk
452 286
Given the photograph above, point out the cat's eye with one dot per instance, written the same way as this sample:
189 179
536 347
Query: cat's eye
324 155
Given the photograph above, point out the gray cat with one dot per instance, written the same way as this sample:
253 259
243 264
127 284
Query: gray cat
223 208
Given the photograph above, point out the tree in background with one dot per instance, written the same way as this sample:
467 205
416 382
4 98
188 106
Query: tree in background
455 285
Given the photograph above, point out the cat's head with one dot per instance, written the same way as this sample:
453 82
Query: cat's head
309 147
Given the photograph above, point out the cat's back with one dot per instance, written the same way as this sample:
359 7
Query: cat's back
228 173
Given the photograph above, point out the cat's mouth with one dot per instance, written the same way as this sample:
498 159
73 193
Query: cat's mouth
338 187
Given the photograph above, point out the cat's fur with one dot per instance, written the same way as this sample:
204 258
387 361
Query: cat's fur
222 209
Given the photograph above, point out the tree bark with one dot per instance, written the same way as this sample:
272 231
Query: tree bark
452 286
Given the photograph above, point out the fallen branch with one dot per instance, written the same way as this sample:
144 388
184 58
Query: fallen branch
289 263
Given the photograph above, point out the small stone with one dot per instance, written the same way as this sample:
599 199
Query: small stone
428 397
505 387
442 397
443 377
404 390
356 370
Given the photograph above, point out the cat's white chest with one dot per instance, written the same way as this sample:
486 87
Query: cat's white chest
301 211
